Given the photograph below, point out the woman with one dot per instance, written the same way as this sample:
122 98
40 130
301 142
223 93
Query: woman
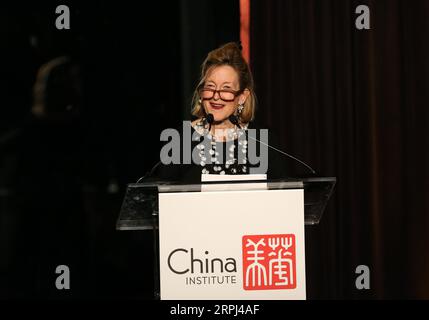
224 105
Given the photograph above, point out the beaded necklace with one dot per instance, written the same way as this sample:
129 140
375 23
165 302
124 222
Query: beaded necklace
235 159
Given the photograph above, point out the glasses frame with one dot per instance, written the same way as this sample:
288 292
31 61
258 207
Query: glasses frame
234 92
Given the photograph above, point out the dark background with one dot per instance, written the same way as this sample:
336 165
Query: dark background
351 103
355 105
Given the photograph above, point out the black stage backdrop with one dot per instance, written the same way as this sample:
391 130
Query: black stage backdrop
354 104
135 65
348 102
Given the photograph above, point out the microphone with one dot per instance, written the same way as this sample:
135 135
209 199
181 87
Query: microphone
234 120
286 154
150 172
210 120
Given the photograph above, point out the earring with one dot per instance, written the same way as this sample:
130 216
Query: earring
240 108
199 101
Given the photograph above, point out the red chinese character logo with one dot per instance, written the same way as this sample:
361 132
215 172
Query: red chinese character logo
269 262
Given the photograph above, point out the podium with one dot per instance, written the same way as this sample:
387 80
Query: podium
227 239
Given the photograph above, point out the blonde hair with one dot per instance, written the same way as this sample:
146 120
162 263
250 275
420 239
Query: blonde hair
227 55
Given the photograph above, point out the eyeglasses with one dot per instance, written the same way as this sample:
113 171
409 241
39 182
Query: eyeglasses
225 95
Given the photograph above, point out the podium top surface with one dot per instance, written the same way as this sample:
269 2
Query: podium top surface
140 205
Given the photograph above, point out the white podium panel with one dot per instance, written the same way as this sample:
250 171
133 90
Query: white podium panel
232 245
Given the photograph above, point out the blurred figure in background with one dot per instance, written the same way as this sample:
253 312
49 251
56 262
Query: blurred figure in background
45 182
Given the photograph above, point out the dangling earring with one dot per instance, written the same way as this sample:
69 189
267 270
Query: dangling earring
199 101
235 119
240 109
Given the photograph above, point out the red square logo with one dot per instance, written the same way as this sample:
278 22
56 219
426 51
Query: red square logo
269 262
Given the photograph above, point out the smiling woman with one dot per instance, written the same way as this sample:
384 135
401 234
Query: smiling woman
225 88
221 102
224 139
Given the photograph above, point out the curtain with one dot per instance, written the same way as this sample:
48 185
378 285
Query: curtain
354 104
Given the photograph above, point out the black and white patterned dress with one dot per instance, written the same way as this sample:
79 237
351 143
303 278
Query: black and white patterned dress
221 157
